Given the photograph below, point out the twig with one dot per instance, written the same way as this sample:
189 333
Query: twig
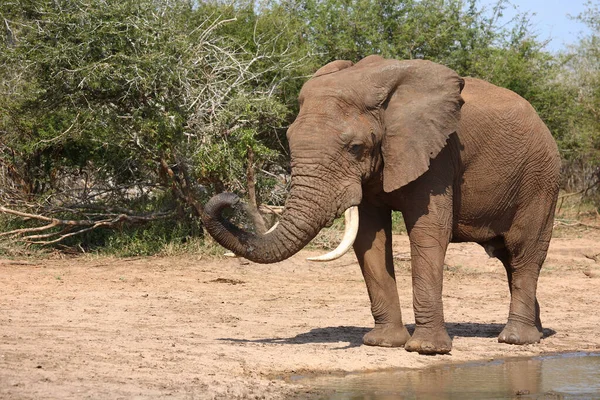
277 210
564 196
62 134
574 223
402 257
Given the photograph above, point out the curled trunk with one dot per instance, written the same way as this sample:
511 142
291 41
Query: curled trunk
297 227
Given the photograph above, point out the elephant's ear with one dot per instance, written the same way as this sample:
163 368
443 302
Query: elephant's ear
332 67
420 102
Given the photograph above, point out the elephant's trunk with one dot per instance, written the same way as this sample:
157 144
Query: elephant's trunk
297 227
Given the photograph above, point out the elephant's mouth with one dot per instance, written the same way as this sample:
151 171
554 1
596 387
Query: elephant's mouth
350 232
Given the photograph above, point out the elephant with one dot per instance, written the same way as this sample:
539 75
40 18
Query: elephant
462 159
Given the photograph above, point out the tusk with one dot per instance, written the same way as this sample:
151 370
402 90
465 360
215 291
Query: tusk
271 229
351 222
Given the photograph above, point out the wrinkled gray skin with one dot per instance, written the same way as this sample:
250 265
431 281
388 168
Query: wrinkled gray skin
389 135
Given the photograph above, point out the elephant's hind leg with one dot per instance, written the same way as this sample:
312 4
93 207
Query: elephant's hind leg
373 248
523 258
524 324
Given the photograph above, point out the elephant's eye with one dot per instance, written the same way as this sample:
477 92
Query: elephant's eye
357 150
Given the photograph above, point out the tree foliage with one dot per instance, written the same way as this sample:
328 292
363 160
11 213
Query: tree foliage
110 101
579 140
148 106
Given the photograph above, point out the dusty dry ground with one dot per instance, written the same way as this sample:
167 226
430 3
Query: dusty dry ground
196 328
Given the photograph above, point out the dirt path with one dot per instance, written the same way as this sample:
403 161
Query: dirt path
193 328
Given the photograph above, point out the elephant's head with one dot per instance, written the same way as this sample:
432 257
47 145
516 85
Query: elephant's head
378 119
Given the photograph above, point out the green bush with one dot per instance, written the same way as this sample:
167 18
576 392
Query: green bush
118 104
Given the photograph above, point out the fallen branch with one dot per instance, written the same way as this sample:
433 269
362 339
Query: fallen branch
71 227
568 223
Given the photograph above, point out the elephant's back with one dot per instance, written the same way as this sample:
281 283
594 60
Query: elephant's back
500 123
487 94
507 154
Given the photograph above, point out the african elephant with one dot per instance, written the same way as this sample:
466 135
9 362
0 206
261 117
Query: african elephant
462 159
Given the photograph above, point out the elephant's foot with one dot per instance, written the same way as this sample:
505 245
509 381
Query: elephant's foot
519 333
387 335
429 341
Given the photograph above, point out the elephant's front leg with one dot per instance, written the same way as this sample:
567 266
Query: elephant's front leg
373 248
429 237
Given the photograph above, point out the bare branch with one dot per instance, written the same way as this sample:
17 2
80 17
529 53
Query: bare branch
252 206
27 230
277 210
569 223
54 139
68 225
25 215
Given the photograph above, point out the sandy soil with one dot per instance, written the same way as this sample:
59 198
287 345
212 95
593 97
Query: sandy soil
197 328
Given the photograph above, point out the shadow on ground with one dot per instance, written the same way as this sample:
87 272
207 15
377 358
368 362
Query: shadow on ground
467 329
334 334
353 334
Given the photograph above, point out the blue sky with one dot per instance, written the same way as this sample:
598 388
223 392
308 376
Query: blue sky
551 20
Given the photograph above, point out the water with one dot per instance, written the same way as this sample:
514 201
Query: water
565 376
